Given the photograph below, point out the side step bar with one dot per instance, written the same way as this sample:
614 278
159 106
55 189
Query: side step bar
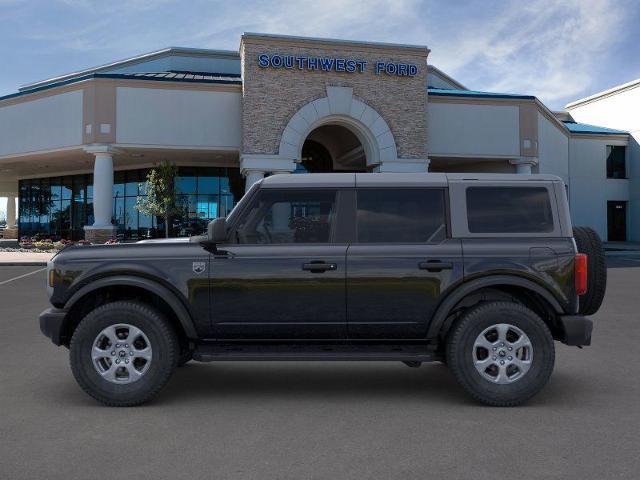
216 352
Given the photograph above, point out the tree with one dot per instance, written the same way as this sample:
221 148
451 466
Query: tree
160 199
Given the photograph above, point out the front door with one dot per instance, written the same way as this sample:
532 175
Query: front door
401 262
283 276
617 221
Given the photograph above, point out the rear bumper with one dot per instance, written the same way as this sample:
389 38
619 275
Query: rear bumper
576 330
52 322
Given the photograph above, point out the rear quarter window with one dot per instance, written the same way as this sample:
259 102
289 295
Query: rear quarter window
509 210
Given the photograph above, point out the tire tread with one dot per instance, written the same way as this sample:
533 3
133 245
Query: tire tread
166 331
467 320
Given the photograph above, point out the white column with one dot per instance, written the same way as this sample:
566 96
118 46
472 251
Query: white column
253 166
281 212
103 190
11 212
524 164
102 229
251 177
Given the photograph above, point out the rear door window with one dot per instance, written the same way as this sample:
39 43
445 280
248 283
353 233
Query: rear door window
509 210
401 216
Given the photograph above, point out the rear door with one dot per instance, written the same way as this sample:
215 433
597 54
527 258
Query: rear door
401 261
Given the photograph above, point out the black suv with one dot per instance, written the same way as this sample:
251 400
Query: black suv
481 272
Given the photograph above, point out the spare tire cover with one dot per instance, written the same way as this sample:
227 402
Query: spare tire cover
589 243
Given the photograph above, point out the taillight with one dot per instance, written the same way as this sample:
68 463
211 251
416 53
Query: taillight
580 266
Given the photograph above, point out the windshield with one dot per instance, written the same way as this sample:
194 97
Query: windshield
247 194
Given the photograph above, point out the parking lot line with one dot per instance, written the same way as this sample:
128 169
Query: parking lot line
22 276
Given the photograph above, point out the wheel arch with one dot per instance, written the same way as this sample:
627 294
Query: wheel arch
98 292
510 285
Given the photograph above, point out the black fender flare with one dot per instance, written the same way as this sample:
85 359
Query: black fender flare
451 300
174 302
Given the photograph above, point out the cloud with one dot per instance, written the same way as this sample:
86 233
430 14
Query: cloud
550 49
557 50
547 48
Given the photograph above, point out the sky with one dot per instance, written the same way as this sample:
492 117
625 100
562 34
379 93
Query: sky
557 50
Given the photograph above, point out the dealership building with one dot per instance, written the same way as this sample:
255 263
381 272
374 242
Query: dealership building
75 149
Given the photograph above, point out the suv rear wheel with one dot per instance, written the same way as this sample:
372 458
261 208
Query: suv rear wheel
501 353
123 353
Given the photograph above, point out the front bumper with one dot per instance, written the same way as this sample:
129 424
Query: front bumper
576 330
52 323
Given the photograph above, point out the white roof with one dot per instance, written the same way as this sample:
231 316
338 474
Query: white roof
604 93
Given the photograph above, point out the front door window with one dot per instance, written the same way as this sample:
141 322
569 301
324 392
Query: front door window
279 217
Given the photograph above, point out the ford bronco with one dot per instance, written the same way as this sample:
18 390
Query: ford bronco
479 271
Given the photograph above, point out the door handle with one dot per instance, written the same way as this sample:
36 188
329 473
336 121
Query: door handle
435 266
319 267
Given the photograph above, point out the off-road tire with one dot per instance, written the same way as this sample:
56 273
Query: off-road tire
589 243
161 336
459 353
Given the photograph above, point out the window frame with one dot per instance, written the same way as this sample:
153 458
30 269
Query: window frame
445 210
625 158
335 235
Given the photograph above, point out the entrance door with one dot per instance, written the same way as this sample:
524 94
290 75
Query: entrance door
401 262
285 276
617 221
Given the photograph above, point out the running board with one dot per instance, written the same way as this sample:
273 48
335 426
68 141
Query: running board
216 352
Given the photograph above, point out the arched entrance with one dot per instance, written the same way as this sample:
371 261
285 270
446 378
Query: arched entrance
337 133
332 148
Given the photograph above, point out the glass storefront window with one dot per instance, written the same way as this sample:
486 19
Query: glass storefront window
59 207
67 190
186 184
89 186
118 184
209 185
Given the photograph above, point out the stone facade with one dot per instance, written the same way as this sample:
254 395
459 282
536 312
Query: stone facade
272 96
9 233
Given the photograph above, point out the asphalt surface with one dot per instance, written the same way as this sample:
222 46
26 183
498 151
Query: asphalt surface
320 420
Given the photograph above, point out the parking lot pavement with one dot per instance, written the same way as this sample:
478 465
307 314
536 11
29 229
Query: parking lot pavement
320 420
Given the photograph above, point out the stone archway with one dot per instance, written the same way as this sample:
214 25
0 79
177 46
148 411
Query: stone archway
340 108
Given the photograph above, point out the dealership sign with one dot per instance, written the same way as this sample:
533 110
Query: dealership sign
334 64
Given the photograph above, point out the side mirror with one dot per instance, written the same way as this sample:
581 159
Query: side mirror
217 230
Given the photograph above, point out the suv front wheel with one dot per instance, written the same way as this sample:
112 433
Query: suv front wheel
123 353
502 353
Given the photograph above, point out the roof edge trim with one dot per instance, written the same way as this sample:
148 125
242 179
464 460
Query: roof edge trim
116 76
335 41
132 61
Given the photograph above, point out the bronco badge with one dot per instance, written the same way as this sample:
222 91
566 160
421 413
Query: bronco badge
199 267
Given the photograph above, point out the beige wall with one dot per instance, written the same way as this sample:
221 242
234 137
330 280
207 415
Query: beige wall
553 148
473 129
272 96
172 117
46 123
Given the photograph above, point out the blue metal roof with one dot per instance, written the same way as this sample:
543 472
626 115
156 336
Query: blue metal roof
188 77
444 92
575 127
